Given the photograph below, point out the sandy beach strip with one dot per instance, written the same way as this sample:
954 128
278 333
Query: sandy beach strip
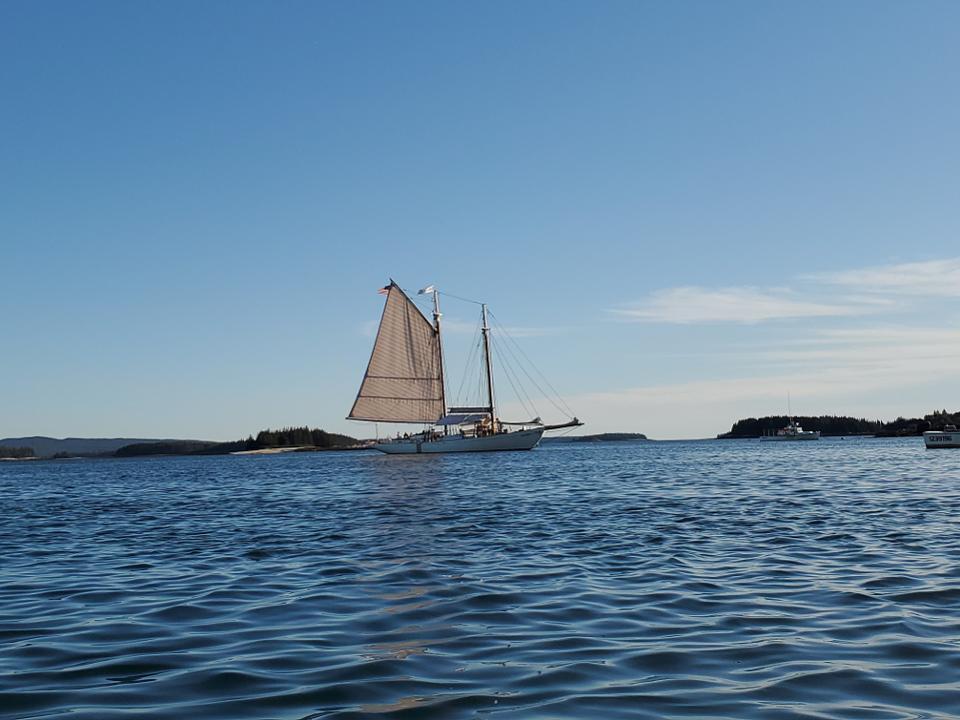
272 451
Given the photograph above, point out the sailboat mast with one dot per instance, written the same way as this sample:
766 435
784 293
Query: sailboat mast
436 324
489 366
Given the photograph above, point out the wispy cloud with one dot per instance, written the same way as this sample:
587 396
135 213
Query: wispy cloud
899 351
874 358
939 278
817 373
897 337
687 305
855 374
845 293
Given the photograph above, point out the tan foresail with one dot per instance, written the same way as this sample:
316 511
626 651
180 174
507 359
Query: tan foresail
404 382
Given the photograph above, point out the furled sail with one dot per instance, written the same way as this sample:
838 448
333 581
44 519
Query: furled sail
404 379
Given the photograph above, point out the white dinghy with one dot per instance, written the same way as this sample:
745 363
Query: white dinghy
404 383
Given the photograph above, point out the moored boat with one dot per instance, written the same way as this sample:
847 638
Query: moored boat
792 431
949 437
405 383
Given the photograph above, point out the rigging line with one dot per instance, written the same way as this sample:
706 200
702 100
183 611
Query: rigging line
568 410
470 360
520 365
509 372
523 368
532 379
536 369
456 398
463 376
511 377
463 391
480 387
525 400
457 297
518 388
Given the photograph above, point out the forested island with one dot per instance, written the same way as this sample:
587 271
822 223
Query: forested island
16 453
301 438
842 425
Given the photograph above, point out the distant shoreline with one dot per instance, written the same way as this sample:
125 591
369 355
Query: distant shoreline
267 442
369 447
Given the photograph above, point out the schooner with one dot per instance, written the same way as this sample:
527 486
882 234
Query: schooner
404 383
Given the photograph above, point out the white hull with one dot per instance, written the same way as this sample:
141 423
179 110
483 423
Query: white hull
518 440
937 439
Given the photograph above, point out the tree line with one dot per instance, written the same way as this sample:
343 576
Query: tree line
833 425
300 437
16 452
937 420
283 438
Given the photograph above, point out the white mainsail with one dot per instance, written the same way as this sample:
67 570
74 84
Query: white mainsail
404 379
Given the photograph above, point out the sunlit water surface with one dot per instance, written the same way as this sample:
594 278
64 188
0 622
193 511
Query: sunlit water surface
643 580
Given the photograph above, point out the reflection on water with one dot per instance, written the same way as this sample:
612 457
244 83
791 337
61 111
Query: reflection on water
704 579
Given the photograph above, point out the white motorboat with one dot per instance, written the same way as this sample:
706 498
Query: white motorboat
949 437
404 383
792 431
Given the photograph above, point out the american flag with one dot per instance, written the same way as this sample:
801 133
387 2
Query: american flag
384 290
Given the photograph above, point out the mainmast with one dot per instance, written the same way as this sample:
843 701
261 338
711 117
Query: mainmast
489 366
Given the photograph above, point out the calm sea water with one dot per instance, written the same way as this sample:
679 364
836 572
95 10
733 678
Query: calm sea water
701 579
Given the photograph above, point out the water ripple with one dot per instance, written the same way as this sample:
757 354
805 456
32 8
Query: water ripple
702 579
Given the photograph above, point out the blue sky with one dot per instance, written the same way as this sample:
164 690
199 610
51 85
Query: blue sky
689 209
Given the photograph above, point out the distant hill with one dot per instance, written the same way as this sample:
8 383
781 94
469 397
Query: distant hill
166 447
48 447
600 437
